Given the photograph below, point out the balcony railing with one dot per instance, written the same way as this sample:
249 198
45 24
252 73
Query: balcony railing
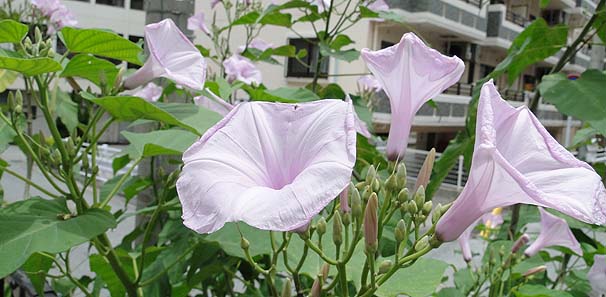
461 89
477 3
515 18
513 95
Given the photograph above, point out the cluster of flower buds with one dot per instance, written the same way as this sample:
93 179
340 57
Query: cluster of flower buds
15 102
39 48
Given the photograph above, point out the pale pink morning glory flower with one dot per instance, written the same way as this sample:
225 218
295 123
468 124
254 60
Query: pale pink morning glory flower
242 69
257 43
464 243
515 160
369 83
47 7
197 22
493 219
62 17
171 55
378 5
215 103
490 220
271 165
150 92
410 73
554 232
597 274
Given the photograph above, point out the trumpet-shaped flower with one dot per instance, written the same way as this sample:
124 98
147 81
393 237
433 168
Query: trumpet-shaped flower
378 5
197 22
258 44
597 275
151 92
271 165
242 69
214 103
171 55
410 73
554 232
47 7
516 160
369 83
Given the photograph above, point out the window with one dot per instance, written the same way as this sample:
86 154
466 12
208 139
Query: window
386 44
135 39
136 4
119 3
485 70
307 65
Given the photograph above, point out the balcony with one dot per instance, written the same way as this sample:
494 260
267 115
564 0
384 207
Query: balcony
516 18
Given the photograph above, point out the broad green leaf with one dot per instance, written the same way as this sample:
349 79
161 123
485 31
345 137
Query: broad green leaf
12 31
101 43
419 280
26 226
330 91
464 280
582 136
27 66
6 136
228 238
600 22
36 268
345 55
340 41
155 143
284 94
536 43
7 77
91 68
128 108
101 267
529 290
582 98
119 163
131 187
450 292
66 109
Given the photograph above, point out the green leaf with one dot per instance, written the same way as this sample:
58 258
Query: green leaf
26 226
464 280
450 292
539 291
7 134
91 68
155 143
100 43
66 109
284 94
119 163
7 78
582 136
345 55
36 268
368 154
600 22
536 43
12 31
419 280
129 108
340 41
27 66
582 98
228 238
101 267
460 145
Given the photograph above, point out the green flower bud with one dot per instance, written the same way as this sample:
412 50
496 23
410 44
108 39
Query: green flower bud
51 53
55 157
44 51
400 231
376 185
48 43
391 184
427 206
356 205
412 207
420 197
360 186
371 174
403 196
69 146
286 289
437 213
95 169
321 226
366 193
401 175
244 243
371 224
445 208
11 101
337 229
422 243
346 219
534 270
27 43
385 266
18 98
37 35
85 162
118 81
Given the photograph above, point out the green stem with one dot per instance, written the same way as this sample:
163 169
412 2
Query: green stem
105 247
320 253
153 278
343 279
122 180
29 182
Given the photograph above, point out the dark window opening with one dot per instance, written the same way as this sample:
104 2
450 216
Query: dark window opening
136 4
307 65
138 40
118 3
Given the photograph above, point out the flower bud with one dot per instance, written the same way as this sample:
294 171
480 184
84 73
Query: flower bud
118 81
244 244
346 219
534 270
427 206
437 213
401 175
85 162
18 98
385 266
366 193
356 205
422 243
445 208
403 195
51 53
420 197
412 207
371 224
316 287
360 186
286 289
337 229
400 231
55 157
376 184
391 184
11 101
324 271
95 169
518 244
344 199
27 43
321 226
425 172
37 34
371 174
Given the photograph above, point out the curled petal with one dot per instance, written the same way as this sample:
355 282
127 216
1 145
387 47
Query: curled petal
516 160
369 83
215 103
197 22
411 74
242 69
464 243
256 43
271 165
378 5
150 92
554 232
171 55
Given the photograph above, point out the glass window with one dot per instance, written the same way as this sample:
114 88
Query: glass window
305 67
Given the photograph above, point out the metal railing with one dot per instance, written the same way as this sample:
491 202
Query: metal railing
105 156
477 3
462 89
514 95
516 18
